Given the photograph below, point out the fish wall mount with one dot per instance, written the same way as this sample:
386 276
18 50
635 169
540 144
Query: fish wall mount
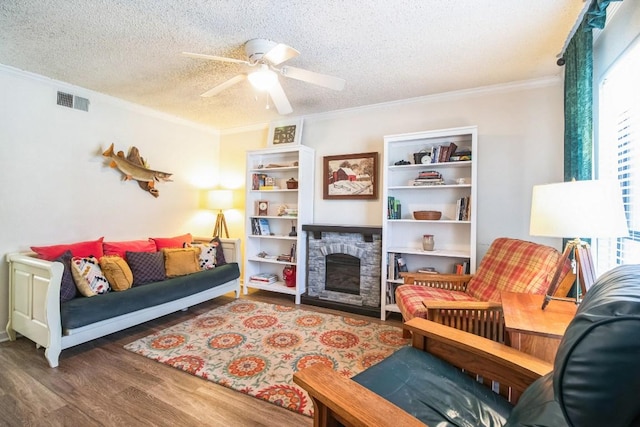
134 167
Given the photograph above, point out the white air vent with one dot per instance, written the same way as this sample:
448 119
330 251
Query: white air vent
72 101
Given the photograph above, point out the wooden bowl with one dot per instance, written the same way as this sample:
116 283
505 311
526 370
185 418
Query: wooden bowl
427 215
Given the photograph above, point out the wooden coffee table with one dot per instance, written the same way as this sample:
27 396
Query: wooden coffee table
533 330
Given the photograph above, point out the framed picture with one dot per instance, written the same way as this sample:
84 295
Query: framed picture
351 176
285 132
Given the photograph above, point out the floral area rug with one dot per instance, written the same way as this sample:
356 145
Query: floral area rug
255 348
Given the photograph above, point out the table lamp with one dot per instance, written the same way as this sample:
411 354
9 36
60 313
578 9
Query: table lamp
577 208
219 199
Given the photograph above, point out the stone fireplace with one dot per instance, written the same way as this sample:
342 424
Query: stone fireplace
343 268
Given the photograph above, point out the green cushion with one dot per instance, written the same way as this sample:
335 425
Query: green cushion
433 391
84 311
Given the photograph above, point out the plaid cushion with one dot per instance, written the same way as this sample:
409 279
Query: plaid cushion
409 299
516 266
146 267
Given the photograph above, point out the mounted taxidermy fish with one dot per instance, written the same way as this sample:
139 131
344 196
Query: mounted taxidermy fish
131 169
135 158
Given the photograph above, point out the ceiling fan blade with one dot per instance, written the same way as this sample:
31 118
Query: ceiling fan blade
280 53
324 80
215 58
222 86
279 99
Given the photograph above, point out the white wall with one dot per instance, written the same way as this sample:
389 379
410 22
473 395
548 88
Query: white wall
520 140
56 187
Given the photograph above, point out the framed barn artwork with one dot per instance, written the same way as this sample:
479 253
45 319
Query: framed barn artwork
350 176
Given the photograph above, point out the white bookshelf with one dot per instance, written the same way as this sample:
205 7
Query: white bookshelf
281 164
455 239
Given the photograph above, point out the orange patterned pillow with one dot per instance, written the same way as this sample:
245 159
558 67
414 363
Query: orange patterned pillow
117 272
181 261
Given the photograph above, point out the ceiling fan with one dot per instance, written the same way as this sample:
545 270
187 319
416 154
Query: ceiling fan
265 55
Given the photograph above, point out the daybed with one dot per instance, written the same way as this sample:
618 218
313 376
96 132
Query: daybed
36 310
593 382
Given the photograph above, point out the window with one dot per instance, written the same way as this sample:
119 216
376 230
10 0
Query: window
619 153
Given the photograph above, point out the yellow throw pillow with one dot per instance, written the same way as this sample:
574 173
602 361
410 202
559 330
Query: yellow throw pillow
181 261
117 272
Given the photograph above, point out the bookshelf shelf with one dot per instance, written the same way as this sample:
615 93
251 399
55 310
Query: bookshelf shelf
453 192
272 261
271 237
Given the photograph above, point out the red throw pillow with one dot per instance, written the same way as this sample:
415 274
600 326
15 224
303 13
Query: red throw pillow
121 248
79 249
171 242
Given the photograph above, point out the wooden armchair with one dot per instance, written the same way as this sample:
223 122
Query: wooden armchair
593 382
338 399
472 302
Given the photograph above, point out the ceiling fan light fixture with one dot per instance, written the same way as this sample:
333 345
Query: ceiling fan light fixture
263 79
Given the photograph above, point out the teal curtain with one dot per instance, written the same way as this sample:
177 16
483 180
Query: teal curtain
578 95
578 101
578 98
597 13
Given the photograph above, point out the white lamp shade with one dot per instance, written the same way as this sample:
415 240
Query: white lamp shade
219 199
578 209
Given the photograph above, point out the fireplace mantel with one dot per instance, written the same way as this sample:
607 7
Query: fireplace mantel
367 231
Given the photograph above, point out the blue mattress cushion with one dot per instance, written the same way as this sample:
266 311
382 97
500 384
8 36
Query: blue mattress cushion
84 311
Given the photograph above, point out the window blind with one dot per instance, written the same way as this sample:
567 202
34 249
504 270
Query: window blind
619 154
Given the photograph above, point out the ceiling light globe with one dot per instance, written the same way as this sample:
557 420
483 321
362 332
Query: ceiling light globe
263 79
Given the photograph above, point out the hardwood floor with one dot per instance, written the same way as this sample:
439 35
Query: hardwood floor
101 384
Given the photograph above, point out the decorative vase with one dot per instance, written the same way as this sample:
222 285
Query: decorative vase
289 276
293 232
427 242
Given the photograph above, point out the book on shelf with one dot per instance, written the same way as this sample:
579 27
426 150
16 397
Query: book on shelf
269 187
293 252
257 180
255 227
263 224
264 277
391 292
463 209
402 264
461 268
451 149
427 270
443 153
461 155
425 182
394 209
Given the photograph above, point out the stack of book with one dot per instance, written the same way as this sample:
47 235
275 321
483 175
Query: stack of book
461 268
443 153
460 156
394 209
266 278
257 180
260 227
429 178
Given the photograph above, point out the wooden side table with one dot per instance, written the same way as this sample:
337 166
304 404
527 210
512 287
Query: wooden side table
533 330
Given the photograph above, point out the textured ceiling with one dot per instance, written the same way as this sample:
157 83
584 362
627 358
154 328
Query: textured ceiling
386 50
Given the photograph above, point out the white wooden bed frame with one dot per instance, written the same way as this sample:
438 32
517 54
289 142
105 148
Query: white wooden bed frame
34 304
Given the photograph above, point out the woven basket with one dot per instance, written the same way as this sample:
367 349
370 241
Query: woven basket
427 215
